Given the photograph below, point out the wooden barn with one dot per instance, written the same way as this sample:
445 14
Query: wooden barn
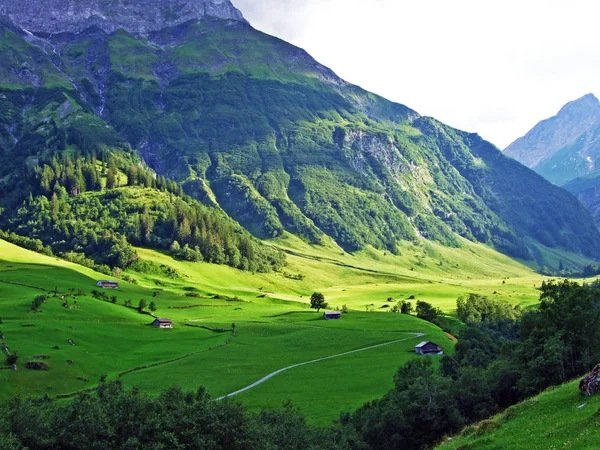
108 284
163 323
429 348
332 315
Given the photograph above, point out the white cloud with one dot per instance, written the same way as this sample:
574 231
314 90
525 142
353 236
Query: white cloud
494 67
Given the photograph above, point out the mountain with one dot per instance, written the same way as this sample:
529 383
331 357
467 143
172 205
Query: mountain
587 190
255 127
75 16
564 147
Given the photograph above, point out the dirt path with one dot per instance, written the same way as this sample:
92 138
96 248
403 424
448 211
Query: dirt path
277 372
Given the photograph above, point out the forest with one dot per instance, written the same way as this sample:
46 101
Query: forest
78 205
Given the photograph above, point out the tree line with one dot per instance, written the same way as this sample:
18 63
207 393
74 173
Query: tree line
114 418
106 223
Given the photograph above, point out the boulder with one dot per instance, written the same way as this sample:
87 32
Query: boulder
591 383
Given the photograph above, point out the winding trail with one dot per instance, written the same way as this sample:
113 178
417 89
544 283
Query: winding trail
277 372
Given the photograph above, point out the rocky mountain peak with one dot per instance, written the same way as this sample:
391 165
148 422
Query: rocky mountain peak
565 146
137 16
584 106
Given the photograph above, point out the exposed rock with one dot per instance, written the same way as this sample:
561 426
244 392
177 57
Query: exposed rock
138 16
591 383
565 146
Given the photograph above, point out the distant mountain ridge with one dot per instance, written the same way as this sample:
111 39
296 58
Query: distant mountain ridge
255 126
564 147
136 16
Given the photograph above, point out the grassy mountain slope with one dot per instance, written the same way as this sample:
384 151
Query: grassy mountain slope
558 418
280 143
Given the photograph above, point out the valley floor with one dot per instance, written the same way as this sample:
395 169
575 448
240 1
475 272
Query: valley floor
234 328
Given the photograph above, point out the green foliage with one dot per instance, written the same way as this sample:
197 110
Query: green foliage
406 307
37 302
110 221
564 331
142 305
111 417
418 411
317 301
12 359
496 314
427 311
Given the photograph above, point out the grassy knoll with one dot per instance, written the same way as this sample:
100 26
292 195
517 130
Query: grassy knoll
558 418
274 326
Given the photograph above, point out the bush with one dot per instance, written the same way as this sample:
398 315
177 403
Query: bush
11 360
485 427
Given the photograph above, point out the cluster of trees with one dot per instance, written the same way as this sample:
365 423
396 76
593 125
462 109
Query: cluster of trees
494 315
37 302
113 418
402 307
503 356
588 271
143 304
104 226
85 173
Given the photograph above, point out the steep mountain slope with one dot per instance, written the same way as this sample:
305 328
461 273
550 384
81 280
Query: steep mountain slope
257 127
564 147
587 190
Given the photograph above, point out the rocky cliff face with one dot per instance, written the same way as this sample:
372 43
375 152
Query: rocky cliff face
565 146
138 16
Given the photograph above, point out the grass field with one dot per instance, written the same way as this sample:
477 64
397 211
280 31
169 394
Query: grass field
558 418
274 326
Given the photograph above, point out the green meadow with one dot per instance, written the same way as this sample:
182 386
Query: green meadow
232 328
558 418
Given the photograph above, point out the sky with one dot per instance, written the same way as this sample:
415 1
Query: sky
486 66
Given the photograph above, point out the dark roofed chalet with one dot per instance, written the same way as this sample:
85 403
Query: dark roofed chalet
429 348
163 323
332 315
105 284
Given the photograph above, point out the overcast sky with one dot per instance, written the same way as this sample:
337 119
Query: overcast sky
487 66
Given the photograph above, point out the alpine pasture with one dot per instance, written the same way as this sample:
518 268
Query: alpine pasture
234 328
